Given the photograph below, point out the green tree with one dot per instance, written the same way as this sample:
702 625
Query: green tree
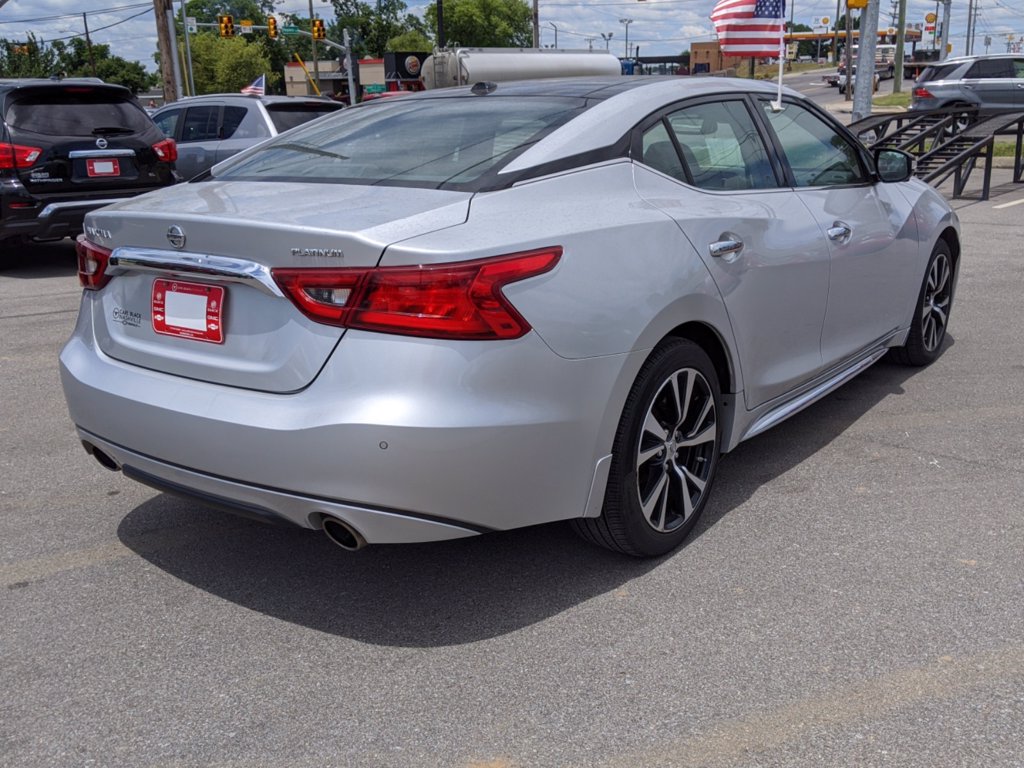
372 27
413 41
227 65
485 23
72 59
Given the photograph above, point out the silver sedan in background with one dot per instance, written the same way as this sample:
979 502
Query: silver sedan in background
475 309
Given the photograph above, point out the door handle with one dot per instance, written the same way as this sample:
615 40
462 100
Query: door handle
839 232
725 247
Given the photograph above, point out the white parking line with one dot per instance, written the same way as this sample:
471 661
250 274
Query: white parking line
1007 205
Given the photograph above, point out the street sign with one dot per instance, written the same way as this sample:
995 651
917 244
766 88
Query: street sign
246 25
288 29
190 25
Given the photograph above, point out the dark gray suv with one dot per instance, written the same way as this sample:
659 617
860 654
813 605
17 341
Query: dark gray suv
212 128
988 82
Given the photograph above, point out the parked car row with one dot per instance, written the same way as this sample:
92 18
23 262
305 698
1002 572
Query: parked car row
70 146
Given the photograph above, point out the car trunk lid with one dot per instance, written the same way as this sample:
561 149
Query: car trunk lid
200 255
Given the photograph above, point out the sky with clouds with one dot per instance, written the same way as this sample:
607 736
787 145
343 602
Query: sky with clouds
659 27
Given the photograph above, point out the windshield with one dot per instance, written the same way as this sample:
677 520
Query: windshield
432 142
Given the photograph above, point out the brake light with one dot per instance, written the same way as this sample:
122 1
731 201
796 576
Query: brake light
461 300
92 264
166 150
923 93
16 156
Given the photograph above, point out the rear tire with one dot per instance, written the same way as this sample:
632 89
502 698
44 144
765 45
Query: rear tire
931 312
664 456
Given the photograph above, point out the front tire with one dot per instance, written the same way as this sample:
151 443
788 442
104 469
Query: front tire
664 456
931 313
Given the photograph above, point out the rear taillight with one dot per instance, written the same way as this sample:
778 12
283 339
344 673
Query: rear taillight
17 156
923 93
166 150
462 300
92 264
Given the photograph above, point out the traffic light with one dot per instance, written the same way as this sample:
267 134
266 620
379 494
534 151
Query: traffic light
227 26
318 30
271 27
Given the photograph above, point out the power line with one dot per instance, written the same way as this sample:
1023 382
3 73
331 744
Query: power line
59 16
100 29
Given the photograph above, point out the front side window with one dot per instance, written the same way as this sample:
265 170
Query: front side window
434 142
720 147
818 154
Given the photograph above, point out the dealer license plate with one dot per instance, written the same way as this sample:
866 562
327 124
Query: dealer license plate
188 310
103 167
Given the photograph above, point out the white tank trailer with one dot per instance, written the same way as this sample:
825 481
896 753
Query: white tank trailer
465 66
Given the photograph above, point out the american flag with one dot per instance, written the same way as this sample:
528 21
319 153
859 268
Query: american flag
257 87
749 27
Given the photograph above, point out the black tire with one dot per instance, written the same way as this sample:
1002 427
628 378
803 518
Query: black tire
664 456
931 312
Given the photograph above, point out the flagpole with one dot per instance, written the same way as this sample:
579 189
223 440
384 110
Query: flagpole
777 104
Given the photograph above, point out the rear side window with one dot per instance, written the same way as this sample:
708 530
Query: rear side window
936 73
287 116
1018 68
233 117
75 111
167 122
990 68
432 142
200 124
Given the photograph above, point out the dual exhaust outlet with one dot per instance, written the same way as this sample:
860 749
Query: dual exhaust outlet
337 530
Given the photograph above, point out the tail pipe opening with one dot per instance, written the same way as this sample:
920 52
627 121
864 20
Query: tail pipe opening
343 534
105 460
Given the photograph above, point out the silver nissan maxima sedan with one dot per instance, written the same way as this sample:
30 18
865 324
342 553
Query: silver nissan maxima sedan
476 309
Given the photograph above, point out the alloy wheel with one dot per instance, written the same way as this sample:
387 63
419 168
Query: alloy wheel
675 455
935 307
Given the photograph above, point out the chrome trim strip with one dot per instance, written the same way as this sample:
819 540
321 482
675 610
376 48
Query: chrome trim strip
77 154
53 208
194 265
787 409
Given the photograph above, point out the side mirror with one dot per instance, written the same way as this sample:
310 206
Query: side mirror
893 164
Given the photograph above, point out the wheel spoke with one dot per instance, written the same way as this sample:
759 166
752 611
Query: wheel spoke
706 435
694 480
687 500
938 313
653 497
653 427
682 400
646 454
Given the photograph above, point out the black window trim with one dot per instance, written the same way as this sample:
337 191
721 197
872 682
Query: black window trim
661 115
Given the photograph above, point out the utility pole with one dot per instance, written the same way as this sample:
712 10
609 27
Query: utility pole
536 24
552 25
168 56
897 72
835 33
188 52
947 10
848 55
590 42
865 87
88 42
316 64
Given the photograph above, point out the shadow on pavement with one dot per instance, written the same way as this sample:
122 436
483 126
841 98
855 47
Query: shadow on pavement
454 592
31 261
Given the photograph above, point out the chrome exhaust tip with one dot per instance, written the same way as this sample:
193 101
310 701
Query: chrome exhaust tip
342 534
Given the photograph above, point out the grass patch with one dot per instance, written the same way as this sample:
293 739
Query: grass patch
892 100
1004 148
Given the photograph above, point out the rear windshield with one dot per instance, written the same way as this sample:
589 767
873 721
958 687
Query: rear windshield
76 111
287 116
936 73
430 142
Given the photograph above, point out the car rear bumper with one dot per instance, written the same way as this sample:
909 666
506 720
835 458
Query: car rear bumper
414 440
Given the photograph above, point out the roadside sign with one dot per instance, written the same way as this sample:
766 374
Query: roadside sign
246 26
930 18
289 29
190 25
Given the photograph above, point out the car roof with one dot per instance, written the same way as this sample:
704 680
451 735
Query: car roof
12 83
963 59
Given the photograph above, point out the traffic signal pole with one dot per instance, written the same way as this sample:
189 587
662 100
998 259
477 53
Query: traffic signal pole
316 64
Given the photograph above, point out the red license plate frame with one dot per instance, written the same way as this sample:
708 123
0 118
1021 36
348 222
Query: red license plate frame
107 166
193 311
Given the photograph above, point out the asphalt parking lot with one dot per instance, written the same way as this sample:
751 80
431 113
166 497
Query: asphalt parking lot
852 597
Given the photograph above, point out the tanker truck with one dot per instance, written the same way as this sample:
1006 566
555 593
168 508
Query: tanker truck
464 66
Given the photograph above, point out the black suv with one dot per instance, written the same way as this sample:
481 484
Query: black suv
69 146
